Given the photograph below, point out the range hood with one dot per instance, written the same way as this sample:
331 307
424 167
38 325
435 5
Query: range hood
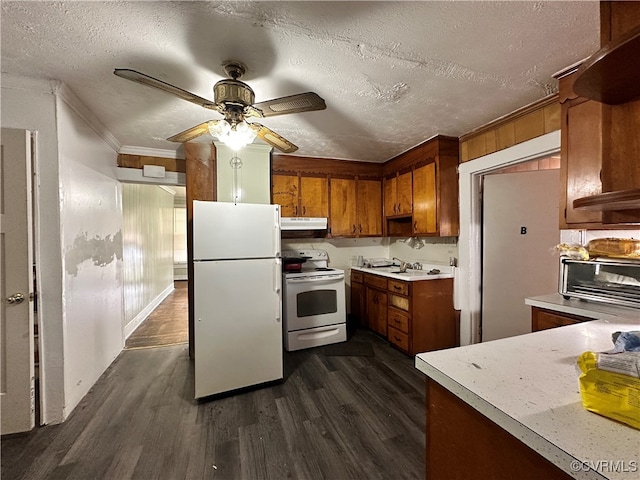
303 223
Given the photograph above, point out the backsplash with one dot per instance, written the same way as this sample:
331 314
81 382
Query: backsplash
343 251
431 250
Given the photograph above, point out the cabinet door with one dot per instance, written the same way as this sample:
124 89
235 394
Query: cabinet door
343 207
424 200
581 154
369 201
390 197
357 303
314 197
377 310
405 195
285 193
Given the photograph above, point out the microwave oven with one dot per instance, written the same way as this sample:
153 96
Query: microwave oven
605 280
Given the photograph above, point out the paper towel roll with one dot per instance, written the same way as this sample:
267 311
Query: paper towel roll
457 300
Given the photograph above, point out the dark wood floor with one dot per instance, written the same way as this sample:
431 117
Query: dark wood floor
168 324
334 417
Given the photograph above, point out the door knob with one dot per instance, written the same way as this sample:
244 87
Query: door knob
15 298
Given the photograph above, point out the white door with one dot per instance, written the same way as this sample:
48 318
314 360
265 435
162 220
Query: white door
520 231
226 230
16 258
238 324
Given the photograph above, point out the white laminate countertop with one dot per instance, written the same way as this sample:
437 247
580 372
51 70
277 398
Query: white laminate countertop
410 275
528 385
575 306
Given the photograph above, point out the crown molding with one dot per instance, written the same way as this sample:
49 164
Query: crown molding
67 96
150 152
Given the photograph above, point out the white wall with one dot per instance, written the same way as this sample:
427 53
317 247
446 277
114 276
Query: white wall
30 104
253 178
91 235
147 212
78 230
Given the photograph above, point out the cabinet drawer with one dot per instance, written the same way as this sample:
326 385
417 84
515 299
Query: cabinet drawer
399 339
398 320
399 302
396 286
356 277
375 281
544 319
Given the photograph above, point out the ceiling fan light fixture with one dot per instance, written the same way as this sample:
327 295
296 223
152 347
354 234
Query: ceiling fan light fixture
233 136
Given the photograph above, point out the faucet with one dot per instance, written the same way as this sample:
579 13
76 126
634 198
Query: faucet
403 265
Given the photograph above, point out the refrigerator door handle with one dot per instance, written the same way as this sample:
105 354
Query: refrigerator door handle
277 283
276 230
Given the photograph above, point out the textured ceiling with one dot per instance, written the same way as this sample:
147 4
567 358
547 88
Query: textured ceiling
392 73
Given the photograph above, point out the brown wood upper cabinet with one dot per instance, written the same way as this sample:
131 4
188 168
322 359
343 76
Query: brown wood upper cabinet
432 183
580 154
425 200
356 207
301 196
369 207
398 198
600 144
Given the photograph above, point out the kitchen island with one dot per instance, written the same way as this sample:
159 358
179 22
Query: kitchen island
511 408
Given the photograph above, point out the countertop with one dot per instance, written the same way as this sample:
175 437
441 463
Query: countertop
528 385
575 306
410 275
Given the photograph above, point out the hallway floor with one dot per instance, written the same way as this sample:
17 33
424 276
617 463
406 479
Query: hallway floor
168 324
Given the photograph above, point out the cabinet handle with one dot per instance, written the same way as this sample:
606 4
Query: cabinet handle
415 226
354 228
397 287
295 211
304 210
396 321
395 208
399 210
360 228
396 338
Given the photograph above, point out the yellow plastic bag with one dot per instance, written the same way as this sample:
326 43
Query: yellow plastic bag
606 391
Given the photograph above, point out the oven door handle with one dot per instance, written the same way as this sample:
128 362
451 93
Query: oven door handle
324 278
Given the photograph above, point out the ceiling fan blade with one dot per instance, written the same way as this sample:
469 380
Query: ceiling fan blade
303 102
193 132
165 87
273 139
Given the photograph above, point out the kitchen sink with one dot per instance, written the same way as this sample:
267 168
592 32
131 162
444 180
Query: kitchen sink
413 273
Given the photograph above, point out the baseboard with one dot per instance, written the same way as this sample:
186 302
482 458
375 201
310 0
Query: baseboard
142 316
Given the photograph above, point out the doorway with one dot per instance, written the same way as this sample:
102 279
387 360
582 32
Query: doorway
520 229
469 274
154 265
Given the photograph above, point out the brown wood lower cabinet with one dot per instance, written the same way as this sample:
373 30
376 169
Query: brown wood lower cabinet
464 444
413 316
542 319
376 303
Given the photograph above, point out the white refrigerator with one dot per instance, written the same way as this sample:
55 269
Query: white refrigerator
237 296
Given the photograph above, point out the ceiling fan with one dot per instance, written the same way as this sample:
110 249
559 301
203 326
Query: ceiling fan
235 101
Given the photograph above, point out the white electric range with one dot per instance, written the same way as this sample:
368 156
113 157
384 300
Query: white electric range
313 302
